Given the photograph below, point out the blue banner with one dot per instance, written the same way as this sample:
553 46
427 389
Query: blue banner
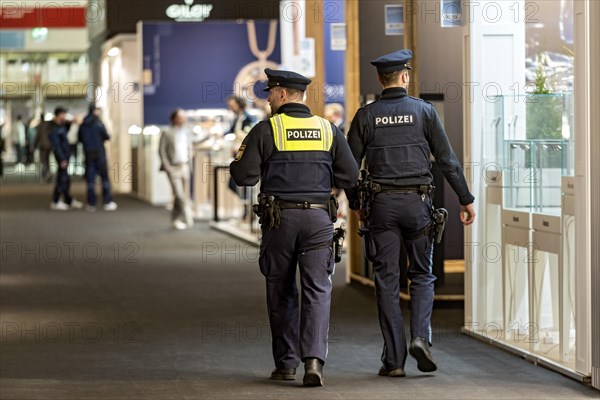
12 40
198 65
335 60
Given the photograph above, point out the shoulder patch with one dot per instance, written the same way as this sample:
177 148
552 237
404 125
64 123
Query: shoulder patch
240 153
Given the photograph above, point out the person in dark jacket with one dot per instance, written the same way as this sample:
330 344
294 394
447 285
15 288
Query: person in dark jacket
60 145
42 143
92 134
242 123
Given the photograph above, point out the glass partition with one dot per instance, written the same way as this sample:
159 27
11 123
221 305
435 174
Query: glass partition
527 148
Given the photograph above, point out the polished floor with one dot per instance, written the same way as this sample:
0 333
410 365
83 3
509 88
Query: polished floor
119 306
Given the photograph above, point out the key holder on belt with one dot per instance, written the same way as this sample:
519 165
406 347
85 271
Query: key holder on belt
365 188
339 235
268 211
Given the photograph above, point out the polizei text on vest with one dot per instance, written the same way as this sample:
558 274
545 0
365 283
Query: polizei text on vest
303 134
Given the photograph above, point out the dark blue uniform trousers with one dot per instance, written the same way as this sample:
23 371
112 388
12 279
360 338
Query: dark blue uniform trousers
298 331
394 218
93 168
63 183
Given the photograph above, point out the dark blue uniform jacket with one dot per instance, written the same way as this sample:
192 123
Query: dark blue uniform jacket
397 134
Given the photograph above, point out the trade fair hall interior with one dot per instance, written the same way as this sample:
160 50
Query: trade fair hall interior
142 247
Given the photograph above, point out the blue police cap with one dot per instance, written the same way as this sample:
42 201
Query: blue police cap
287 79
395 61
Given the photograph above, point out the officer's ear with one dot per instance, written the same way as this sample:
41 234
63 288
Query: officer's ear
280 93
405 77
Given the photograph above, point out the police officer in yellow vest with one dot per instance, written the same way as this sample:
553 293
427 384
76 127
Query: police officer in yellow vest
298 158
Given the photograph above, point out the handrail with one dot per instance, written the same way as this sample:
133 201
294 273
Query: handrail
218 203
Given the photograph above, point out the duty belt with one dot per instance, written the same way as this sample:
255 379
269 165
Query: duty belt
287 205
422 189
269 209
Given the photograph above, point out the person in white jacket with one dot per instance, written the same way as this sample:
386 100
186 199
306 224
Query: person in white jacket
175 149
19 139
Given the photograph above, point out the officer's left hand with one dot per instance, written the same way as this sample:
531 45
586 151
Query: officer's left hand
360 214
469 210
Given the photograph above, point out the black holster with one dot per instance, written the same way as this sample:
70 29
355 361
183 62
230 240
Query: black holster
435 230
370 248
332 208
439 218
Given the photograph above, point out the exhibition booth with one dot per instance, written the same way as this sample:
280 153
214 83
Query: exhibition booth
196 62
509 95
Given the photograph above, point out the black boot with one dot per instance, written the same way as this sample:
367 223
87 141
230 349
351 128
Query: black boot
392 373
283 374
419 349
313 372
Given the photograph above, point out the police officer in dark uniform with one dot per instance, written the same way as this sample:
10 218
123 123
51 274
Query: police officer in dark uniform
396 134
298 158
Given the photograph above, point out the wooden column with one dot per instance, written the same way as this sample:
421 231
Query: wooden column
352 81
315 95
411 26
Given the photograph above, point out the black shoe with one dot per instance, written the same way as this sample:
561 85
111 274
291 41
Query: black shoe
419 349
283 374
313 372
392 373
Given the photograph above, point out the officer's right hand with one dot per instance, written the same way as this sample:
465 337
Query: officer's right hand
360 214
467 214
64 164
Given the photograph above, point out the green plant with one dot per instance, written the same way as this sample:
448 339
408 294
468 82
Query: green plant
540 86
544 109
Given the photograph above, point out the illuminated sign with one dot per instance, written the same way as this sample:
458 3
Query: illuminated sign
39 34
189 12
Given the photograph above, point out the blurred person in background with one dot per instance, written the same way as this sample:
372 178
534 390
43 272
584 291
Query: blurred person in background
243 121
42 142
175 150
92 134
2 149
263 107
334 113
30 139
19 139
240 127
57 134
73 137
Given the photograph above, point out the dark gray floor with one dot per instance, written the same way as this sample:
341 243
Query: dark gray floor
118 306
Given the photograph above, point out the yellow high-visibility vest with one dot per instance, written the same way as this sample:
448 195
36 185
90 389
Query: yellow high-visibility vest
301 134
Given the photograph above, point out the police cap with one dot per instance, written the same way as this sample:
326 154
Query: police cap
287 79
395 61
